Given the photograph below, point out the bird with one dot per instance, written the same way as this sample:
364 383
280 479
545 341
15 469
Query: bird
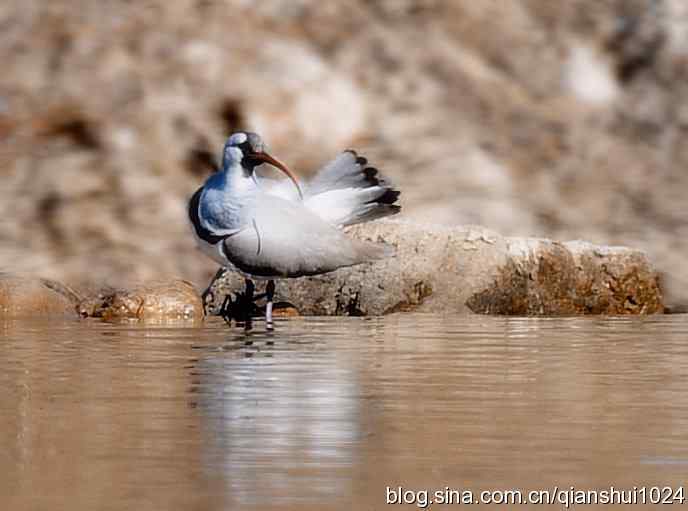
269 229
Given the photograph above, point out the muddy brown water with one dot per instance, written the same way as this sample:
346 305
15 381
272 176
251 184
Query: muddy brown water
328 413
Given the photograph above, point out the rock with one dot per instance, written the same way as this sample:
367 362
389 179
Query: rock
543 277
31 296
285 310
463 269
177 299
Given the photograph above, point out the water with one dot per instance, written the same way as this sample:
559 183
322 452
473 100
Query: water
327 413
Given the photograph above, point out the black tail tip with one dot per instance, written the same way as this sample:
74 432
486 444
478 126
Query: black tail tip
389 197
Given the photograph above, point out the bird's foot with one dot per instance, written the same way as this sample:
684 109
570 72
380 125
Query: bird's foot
246 309
242 309
225 311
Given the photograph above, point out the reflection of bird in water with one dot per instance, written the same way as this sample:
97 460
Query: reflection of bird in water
269 229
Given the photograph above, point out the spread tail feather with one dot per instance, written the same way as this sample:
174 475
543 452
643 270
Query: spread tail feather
348 191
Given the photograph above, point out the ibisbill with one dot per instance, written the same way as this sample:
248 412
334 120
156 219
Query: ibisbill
269 229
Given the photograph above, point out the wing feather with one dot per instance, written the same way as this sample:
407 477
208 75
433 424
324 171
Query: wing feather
346 191
286 239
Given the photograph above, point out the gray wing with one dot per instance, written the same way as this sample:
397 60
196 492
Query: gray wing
343 172
282 188
346 191
349 191
286 239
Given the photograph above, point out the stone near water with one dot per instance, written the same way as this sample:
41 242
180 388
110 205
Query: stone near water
176 299
472 269
449 270
24 296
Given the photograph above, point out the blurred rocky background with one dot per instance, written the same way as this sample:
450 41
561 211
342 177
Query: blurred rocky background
531 117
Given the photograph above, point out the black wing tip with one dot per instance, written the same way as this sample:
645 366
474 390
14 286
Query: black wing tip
390 197
370 174
374 178
360 160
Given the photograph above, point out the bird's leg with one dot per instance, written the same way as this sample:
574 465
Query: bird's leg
269 296
240 309
250 288
226 309
208 291
247 304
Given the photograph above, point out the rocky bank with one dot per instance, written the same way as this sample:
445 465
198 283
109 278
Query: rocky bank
472 269
26 297
435 269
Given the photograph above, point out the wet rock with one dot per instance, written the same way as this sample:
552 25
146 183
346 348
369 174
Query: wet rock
177 299
285 310
543 277
463 269
22 296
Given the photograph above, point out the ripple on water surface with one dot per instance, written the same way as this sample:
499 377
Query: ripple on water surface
325 413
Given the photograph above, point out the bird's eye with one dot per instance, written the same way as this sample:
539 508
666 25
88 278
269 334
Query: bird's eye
246 148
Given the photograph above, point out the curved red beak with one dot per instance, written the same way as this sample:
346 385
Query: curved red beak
278 164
